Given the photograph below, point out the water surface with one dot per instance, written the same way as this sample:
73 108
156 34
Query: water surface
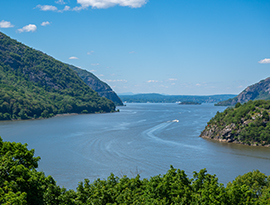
141 138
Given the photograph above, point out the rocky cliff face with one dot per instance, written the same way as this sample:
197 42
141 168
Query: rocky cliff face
103 89
247 124
258 91
227 134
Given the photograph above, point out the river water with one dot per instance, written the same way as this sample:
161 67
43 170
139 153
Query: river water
141 139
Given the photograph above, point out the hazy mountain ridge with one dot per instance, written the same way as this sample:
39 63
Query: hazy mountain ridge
159 98
257 91
102 88
34 85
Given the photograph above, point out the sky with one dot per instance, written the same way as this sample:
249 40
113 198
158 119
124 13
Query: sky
175 47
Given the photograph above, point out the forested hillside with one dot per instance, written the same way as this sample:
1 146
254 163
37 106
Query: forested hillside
103 89
258 91
246 124
21 183
35 85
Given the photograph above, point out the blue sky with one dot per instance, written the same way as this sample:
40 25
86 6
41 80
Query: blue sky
180 47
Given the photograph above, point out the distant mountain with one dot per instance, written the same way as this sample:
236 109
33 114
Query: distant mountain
33 85
258 91
158 98
103 89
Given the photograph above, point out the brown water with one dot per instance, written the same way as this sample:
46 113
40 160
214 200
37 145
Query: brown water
141 138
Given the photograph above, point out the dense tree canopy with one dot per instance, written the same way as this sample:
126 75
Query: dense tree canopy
248 123
33 85
21 183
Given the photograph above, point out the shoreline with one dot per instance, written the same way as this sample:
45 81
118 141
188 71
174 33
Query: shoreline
57 115
233 142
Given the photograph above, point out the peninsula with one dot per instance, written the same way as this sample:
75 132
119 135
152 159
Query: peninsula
246 123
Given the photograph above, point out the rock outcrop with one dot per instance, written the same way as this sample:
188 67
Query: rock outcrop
247 124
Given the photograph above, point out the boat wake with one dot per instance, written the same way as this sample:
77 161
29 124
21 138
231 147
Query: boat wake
152 134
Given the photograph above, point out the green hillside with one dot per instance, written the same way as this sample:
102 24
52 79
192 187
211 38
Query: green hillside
35 85
246 124
103 89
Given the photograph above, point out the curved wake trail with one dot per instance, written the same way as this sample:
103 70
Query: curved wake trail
158 128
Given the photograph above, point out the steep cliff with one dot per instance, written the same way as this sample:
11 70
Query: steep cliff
258 91
103 89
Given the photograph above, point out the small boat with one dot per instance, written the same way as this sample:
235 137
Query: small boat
175 120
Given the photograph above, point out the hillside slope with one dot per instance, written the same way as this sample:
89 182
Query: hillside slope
258 91
103 89
34 85
245 124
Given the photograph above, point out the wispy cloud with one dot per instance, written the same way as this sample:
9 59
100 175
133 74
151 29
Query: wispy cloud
113 81
172 79
28 28
5 24
47 7
95 64
67 8
152 81
45 23
60 2
73 58
90 52
131 52
266 60
103 4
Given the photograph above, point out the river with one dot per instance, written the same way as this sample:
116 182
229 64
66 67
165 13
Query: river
141 139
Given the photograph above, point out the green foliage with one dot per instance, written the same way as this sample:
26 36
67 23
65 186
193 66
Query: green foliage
249 122
21 183
33 85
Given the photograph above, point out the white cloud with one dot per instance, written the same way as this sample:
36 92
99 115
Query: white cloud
46 7
73 58
100 75
95 64
45 23
172 79
131 52
60 2
266 60
67 8
90 52
113 81
102 4
152 81
28 28
92 70
5 24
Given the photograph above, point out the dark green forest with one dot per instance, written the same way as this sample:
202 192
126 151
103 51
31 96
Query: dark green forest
34 85
21 183
248 123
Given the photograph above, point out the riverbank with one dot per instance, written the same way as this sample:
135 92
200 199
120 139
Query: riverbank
232 141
